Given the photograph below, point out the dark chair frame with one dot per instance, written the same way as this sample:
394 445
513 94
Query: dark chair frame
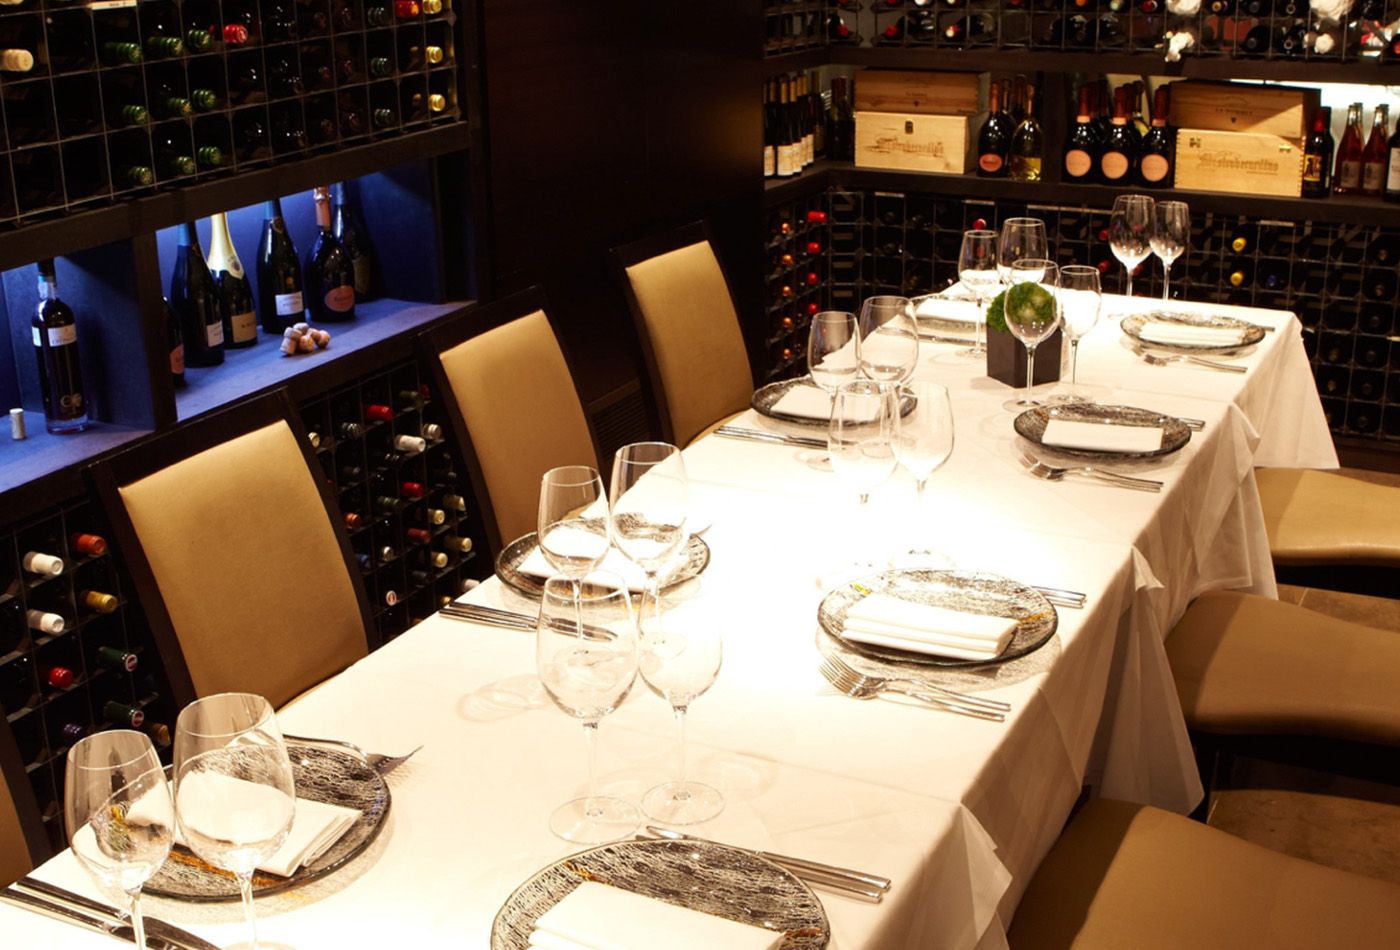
627 255
471 323
190 439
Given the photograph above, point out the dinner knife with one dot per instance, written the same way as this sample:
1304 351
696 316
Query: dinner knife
40 905
756 435
155 927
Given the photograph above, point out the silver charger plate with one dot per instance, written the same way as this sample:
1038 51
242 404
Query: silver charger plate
321 775
696 552
766 397
971 592
700 875
1250 333
1030 425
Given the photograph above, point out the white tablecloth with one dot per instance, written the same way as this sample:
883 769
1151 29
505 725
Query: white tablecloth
958 812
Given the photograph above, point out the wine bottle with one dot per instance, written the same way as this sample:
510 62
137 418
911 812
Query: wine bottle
176 342
1027 143
409 444
458 544
1258 40
115 658
280 299
350 231
59 677
91 545
45 565
994 140
123 714
1158 161
770 125
45 621
98 602
841 123
1118 162
1082 148
1392 175
1375 157
406 9
1346 176
235 293
1317 156
970 28
16 60
329 274
196 300
55 332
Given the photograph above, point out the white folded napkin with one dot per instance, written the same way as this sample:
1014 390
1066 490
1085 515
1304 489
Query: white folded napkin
1178 334
888 621
597 916
1101 437
943 308
808 402
537 565
315 825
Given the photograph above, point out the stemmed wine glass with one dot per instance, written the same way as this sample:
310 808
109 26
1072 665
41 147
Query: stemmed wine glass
1032 324
833 349
234 792
889 339
1021 239
647 503
1171 235
586 657
861 440
572 526
120 819
1080 300
1130 232
977 270
923 442
680 649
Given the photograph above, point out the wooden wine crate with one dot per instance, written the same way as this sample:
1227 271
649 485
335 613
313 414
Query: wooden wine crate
920 92
920 143
1285 111
1246 163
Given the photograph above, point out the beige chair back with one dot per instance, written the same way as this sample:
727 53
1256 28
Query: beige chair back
248 566
687 317
15 861
522 414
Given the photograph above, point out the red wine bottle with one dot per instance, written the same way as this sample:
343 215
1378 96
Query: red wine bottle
1346 177
1118 162
280 299
1375 158
196 300
1317 156
1082 149
350 231
1392 174
330 276
235 293
994 140
55 332
1158 162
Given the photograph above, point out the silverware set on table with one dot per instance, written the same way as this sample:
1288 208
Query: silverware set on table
1053 473
776 438
51 901
860 685
1156 359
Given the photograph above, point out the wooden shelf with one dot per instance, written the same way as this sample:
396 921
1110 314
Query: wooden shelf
57 236
29 465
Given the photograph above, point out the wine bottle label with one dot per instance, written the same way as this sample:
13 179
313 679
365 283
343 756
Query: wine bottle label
362 270
770 162
1115 165
289 305
1155 167
245 326
1372 177
58 336
1392 178
177 360
340 299
1312 167
1078 162
1350 176
214 333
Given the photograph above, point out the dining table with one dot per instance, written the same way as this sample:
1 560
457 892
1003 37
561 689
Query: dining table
958 812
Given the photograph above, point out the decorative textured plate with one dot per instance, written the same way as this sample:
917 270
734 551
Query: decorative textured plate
1030 425
700 875
975 593
1250 333
697 558
767 396
322 775
946 314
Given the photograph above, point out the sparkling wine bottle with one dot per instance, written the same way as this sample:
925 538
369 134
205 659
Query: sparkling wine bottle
1027 143
235 293
994 140
55 332
350 231
196 300
329 274
280 299
1158 146
176 342
1082 149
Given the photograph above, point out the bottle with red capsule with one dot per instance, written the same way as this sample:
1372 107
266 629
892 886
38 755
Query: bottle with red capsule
407 9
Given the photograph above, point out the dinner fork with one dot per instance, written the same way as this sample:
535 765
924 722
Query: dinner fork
1053 473
839 664
1153 359
860 686
381 763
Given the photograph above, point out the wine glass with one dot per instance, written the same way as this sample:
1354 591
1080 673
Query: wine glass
1030 323
923 442
679 653
977 270
1130 232
586 657
860 442
120 819
572 527
889 339
1021 239
1080 300
1171 235
234 792
833 349
647 503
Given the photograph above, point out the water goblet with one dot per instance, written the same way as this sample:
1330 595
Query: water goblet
978 272
1171 235
234 792
1033 319
923 443
647 501
1080 299
118 812
889 339
833 349
1130 233
1020 239
586 657
572 524
860 442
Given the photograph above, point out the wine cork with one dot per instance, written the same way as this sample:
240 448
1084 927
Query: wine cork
305 344
17 431
289 346
290 333
322 337
301 327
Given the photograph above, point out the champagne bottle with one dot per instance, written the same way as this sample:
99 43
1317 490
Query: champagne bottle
1027 143
1375 157
1082 149
841 123
994 140
1158 146
196 300
1317 156
235 293
176 341
1346 176
280 299
55 332
329 275
1118 163
350 231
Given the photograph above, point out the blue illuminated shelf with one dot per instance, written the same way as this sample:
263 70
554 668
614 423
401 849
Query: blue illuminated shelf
42 455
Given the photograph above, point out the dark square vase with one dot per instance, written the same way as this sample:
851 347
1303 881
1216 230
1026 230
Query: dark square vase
1006 359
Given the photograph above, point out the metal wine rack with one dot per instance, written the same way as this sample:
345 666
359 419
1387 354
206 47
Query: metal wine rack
1339 278
107 94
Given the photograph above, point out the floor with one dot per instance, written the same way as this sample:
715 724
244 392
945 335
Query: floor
1342 822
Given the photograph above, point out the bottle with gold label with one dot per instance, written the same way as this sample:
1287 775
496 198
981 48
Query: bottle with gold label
235 292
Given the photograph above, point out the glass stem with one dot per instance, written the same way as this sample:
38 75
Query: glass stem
1073 363
1166 278
138 923
979 327
680 750
1030 370
245 887
590 734
1129 272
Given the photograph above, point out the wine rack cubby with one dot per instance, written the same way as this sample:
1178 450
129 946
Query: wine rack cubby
126 98
1339 278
